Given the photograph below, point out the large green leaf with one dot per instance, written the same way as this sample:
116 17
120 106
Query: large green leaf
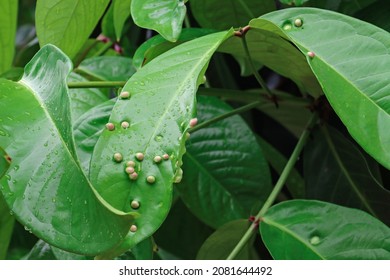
222 14
121 13
8 21
268 48
158 45
152 121
83 99
6 219
87 130
67 24
188 235
225 172
336 171
166 17
351 63
108 68
219 245
306 230
45 186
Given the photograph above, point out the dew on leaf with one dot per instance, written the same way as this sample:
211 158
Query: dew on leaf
315 240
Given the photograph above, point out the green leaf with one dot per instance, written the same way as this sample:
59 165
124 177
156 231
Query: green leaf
294 183
121 14
308 230
43 251
225 172
87 130
336 171
161 104
83 99
165 17
8 22
268 48
346 49
6 219
107 25
67 24
219 245
158 45
189 234
223 14
108 68
45 186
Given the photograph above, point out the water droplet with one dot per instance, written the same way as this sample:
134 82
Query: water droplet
3 133
133 176
117 157
158 138
315 240
124 95
157 159
129 170
287 26
125 125
16 167
298 22
110 126
139 156
151 179
133 228
134 204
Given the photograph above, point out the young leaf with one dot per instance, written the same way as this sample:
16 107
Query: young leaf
166 17
150 119
121 13
222 14
309 229
345 50
158 45
336 171
45 186
219 245
67 24
225 172
8 21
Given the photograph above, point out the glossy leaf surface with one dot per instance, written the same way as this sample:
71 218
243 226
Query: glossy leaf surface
225 172
158 112
87 130
223 14
8 20
346 49
67 24
165 17
45 186
219 245
121 13
309 230
336 171
6 219
269 49
83 99
108 68
158 45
